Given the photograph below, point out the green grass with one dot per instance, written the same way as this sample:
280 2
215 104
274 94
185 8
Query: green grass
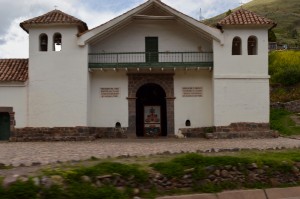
104 168
281 121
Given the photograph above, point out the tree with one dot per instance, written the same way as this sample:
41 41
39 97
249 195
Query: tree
228 12
272 36
294 33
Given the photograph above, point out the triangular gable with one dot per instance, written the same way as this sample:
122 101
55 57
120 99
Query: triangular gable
148 8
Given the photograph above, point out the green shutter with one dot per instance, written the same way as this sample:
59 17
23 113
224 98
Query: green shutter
151 49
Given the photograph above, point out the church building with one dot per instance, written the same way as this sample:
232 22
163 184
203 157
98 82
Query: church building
150 72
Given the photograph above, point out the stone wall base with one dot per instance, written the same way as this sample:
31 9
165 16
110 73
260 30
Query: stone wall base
66 134
234 130
293 106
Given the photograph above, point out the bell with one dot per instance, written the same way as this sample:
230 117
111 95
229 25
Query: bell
58 42
44 42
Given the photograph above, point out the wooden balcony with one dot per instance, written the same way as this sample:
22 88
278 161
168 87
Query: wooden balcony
150 59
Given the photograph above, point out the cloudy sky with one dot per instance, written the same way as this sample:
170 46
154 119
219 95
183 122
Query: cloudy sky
14 41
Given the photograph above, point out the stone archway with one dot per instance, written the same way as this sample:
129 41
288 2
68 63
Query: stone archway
136 81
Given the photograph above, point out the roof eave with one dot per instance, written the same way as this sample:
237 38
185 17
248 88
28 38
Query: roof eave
81 27
22 25
229 26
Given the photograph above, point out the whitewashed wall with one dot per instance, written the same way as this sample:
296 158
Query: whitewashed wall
227 64
241 100
172 37
15 96
241 82
58 81
198 110
107 111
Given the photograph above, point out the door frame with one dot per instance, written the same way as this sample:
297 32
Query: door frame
135 81
151 95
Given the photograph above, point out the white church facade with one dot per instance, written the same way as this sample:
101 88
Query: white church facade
151 72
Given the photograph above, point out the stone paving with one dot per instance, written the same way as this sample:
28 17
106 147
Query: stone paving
28 153
274 193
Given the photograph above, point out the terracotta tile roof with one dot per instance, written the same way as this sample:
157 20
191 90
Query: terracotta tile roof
13 70
55 17
245 17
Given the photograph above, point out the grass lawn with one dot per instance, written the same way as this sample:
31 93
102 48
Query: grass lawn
281 121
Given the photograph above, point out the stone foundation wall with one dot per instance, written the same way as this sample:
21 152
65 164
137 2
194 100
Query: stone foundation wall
66 134
293 106
234 130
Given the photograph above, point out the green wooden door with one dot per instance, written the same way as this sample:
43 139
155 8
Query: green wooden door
151 49
4 126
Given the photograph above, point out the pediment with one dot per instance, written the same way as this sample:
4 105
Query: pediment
154 10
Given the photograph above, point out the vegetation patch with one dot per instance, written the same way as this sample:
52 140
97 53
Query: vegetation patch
284 67
104 168
186 173
281 121
284 94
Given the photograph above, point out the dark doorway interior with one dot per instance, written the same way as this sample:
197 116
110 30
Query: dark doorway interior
4 126
151 100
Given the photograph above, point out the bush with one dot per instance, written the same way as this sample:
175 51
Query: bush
24 190
169 169
82 191
288 77
54 192
284 67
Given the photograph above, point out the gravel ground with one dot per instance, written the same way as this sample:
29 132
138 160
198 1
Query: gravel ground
28 153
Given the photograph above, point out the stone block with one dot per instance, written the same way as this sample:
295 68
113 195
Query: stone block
195 196
283 193
242 194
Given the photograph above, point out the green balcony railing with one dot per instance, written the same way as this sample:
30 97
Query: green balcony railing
151 59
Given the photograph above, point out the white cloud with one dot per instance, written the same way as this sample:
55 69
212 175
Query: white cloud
16 42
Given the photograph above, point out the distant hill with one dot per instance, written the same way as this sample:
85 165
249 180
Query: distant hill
286 13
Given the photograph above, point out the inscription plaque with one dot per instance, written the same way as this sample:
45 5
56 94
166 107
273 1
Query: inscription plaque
110 92
192 91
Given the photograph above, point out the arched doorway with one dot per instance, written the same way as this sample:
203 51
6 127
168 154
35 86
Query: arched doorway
4 126
151 111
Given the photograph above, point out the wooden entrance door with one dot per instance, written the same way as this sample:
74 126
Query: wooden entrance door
4 126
